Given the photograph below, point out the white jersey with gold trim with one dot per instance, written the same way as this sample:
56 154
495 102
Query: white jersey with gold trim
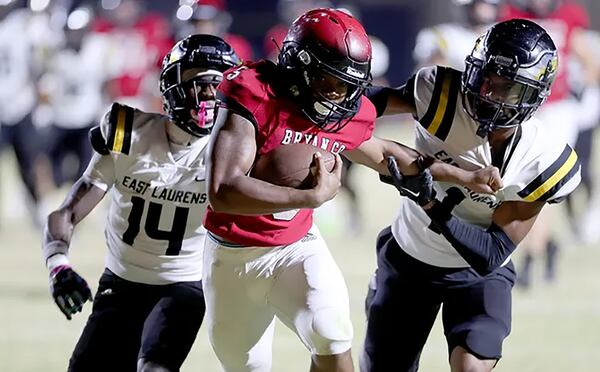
154 227
538 167
451 41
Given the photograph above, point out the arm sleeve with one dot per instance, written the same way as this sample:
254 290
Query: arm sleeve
484 250
379 95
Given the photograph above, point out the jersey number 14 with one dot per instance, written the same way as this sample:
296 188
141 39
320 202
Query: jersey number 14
174 236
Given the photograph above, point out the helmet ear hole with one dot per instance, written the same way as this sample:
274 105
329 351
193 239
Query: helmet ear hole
304 57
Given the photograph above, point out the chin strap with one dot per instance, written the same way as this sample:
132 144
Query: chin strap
483 130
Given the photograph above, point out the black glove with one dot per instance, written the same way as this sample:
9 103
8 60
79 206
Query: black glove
69 290
418 188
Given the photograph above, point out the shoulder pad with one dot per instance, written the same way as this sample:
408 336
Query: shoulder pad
436 96
559 176
97 141
120 126
242 90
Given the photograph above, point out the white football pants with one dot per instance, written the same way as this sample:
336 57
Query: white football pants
246 287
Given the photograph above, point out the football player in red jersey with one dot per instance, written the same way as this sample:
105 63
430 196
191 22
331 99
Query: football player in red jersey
263 255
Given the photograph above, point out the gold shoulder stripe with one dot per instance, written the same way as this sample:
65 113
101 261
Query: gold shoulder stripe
119 131
436 94
550 181
441 108
121 125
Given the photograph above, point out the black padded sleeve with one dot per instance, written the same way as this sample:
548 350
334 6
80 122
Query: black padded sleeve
484 250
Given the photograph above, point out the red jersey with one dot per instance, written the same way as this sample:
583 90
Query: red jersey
560 25
278 121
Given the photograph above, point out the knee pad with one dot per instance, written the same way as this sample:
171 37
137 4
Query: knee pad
331 332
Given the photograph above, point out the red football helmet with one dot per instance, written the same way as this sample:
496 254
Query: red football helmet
328 55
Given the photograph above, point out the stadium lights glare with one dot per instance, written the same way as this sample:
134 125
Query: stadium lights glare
78 19
110 4
184 12
38 5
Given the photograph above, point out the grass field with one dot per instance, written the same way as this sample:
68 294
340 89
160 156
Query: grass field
556 328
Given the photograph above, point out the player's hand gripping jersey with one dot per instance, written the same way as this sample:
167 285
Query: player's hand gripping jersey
158 198
251 91
536 167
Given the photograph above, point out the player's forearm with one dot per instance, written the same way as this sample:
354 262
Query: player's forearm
249 196
392 101
445 172
410 161
375 151
57 237
484 250
59 226
58 231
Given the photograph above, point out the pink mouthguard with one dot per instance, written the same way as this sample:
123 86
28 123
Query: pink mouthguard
202 114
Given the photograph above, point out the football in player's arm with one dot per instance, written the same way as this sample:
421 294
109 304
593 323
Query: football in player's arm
150 304
450 244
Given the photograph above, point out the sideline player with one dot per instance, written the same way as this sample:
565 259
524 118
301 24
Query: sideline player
19 68
566 22
263 255
456 251
448 44
149 303
71 86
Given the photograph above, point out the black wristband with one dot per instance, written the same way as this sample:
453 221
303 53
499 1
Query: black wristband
439 212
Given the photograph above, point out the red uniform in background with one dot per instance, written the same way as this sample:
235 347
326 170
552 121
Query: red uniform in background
211 17
136 53
279 122
241 46
560 24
